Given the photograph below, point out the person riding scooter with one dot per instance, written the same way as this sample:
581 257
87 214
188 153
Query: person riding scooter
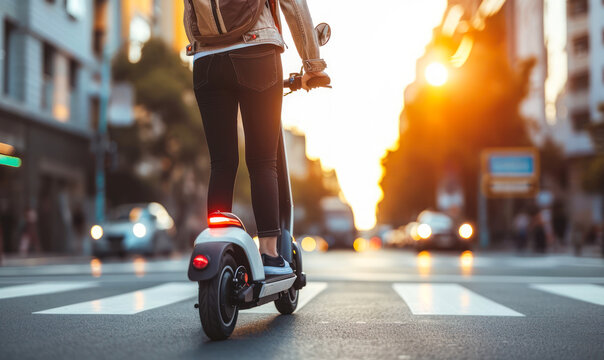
242 70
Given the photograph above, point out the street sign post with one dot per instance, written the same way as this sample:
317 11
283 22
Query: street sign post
510 172
506 173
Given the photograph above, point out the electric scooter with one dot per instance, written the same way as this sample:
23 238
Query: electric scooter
226 262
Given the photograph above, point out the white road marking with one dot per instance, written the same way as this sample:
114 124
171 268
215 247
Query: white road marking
306 294
500 279
448 299
42 288
132 302
590 293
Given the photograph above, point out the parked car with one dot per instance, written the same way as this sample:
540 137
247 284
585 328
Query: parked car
338 226
436 230
134 228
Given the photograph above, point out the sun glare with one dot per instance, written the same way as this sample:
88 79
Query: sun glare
351 126
436 74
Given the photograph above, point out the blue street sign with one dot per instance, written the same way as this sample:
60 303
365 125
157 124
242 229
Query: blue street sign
511 165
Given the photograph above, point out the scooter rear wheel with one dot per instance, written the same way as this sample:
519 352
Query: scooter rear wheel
217 312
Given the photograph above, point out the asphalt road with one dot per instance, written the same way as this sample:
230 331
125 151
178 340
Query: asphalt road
371 305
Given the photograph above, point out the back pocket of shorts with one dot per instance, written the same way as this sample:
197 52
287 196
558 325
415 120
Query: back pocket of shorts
256 71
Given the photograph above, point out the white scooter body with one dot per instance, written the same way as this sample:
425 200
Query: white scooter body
242 239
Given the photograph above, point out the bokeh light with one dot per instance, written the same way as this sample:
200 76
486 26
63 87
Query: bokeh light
424 231
466 261
424 262
96 232
359 245
96 267
139 265
309 244
436 74
466 231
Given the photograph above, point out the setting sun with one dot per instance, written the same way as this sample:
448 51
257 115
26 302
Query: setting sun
436 74
351 126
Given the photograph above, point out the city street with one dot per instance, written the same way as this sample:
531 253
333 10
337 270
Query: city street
383 304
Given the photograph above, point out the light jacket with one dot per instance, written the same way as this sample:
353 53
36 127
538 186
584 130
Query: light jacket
266 31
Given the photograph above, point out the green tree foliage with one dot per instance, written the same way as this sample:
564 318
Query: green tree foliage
447 127
167 132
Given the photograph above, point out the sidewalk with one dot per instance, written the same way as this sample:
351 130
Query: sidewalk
61 259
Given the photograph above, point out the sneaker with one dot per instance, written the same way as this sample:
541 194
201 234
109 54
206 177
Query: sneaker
275 265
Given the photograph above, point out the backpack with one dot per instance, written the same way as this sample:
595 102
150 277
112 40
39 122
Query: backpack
216 22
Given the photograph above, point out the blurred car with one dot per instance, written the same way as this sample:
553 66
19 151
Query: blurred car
134 228
338 224
436 230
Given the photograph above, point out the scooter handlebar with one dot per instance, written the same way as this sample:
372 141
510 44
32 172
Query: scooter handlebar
294 83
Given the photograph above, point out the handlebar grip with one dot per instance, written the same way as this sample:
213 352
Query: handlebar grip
295 83
319 81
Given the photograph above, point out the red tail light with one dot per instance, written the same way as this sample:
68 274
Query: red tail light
220 220
200 262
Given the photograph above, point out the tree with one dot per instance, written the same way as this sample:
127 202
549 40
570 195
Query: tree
167 135
447 127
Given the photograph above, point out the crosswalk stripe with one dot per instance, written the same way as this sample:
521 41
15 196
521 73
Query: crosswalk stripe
448 299
306 294
42 288
590 293
130 303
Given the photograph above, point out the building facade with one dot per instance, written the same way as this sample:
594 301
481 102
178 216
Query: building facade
49 106
581 102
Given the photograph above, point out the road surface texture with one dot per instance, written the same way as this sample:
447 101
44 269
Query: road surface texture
385 304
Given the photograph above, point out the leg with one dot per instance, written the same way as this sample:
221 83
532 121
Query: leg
260 98
218 108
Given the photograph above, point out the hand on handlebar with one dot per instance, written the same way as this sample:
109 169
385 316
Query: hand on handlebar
309 75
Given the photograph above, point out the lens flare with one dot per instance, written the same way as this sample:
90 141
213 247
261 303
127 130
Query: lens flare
436 74
309 244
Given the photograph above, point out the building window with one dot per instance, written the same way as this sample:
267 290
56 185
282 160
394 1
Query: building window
580 81
577 7
48 60
581 45
99 27
9 61
580 119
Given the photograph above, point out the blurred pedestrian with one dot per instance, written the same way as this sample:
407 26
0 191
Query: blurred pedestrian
560 223
539 233
29 234
522 222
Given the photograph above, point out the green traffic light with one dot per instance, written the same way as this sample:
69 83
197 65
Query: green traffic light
10 161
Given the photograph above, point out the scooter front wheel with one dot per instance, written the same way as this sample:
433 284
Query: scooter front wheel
288 302
217 312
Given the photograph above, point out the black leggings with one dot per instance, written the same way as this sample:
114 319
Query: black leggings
250 78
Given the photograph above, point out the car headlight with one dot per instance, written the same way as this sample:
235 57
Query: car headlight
424 231
139 230
466 231
96 232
